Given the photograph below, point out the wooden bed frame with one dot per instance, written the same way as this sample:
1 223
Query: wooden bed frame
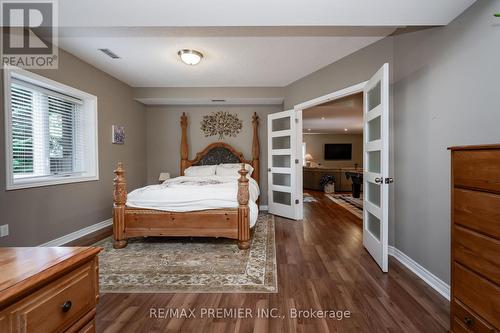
232 223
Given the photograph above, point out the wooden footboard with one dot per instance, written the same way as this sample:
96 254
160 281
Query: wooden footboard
133 222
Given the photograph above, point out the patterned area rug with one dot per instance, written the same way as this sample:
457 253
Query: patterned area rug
309 198
191 265
353 205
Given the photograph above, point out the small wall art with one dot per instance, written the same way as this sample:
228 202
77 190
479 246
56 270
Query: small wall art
118 134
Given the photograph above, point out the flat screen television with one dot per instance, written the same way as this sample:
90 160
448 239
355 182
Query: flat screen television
338 151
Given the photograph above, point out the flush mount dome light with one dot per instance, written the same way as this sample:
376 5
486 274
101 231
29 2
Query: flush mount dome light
190 57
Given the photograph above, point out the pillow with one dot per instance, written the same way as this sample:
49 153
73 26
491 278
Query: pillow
203 170
231 169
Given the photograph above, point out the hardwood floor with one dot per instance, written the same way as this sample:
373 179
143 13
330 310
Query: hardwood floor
321 265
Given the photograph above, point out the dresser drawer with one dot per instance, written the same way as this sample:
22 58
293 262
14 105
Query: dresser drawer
478 252
58 305
466 321
480 295
477 169
477 210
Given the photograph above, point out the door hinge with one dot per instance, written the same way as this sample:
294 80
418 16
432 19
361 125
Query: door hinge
389 180
297 201
296 161
296 120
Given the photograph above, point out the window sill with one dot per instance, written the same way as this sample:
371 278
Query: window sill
20 184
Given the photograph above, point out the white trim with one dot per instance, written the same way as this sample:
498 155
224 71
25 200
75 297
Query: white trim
78 234
332 96
433 281
263 207
89 109
209 101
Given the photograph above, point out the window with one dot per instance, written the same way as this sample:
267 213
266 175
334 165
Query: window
51 132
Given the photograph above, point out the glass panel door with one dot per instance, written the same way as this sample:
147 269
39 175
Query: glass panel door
282 157
376 166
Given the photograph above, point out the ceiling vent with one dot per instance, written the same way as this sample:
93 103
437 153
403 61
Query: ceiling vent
218 100
109 53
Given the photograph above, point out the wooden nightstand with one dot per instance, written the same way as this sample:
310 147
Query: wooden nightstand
48 289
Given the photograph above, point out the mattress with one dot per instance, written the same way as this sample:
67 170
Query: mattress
187 194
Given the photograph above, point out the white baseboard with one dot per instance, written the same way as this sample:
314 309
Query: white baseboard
436 283
263 207
78 234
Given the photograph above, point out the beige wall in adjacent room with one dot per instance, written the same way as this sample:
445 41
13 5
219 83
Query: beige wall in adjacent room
164 137
315 145
38 215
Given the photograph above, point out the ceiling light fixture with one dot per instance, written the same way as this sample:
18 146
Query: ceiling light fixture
308 129
345 129
322 118
190 57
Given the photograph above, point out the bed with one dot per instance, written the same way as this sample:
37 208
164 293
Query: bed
207 206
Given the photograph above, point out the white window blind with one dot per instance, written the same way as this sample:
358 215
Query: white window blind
51 132
47 132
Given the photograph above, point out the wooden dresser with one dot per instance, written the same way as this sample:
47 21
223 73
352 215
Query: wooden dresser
475 239
48 289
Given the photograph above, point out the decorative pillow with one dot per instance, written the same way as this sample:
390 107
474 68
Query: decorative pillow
231 169
203 170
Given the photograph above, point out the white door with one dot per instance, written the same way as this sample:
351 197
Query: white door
283 162
376 166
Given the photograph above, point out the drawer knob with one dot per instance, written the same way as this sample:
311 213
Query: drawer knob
468 321
66 306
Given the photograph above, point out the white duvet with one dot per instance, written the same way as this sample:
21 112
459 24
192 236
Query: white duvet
185 194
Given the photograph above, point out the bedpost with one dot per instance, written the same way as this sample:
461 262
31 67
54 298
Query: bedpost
119 201
255 148
184 143
243 210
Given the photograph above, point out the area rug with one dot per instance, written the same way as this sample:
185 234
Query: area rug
191 265
309 198
353 205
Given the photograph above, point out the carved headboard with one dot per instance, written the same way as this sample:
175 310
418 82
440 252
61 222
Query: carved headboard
220 152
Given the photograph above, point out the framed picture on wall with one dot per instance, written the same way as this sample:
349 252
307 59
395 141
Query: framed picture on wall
118 134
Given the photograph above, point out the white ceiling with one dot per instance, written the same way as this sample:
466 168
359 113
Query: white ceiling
189 13
228 61
258 43
339 115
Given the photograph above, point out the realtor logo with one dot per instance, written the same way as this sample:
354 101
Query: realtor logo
29 34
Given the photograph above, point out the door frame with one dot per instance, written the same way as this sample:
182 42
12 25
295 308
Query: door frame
299 108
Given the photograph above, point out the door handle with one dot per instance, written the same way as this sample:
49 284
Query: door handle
379 180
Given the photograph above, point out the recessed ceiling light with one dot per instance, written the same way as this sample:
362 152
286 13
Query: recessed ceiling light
345 129
190 57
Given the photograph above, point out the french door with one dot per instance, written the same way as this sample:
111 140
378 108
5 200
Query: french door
376 166
284 162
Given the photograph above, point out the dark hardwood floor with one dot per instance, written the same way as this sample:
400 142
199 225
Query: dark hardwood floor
321 265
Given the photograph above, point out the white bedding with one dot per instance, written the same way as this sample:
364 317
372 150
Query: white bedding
185 194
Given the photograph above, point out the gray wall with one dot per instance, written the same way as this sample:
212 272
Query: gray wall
348 71
315 144
164 137
41 214
445 85
446 94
